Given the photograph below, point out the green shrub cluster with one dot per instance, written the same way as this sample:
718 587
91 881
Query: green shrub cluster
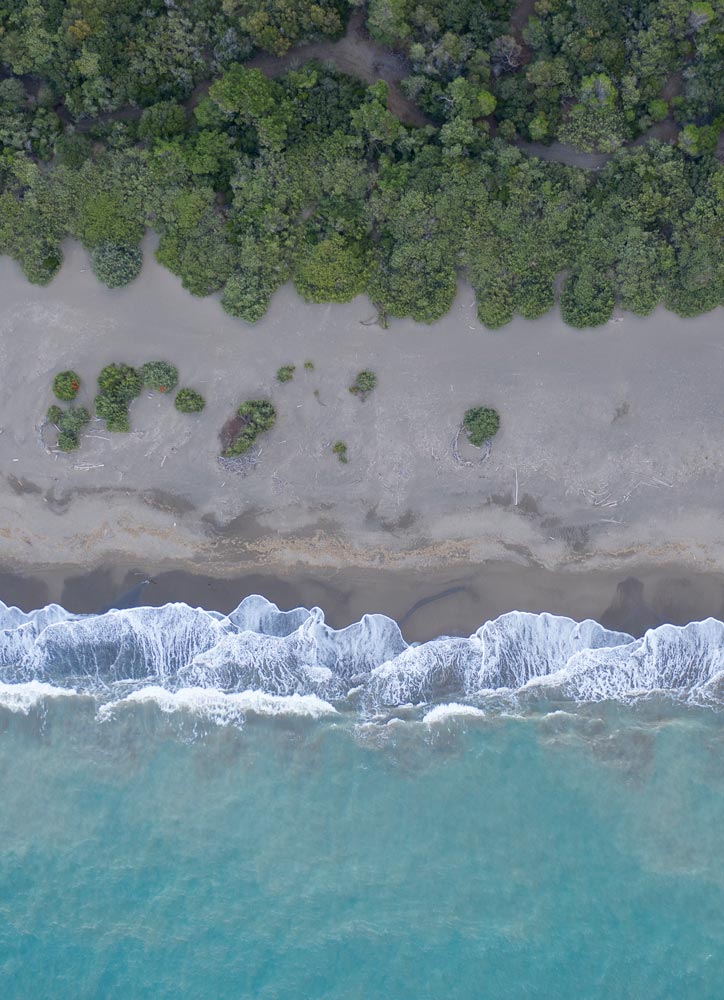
256 416
340 450
66 385
189 401
115 264
286 373
118 385
159 375
481 423
70 423
363 384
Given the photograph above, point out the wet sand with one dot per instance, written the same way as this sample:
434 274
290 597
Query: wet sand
452 601
609 462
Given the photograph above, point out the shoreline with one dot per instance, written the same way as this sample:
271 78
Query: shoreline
449 600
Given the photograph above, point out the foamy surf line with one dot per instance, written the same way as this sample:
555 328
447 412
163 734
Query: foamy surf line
262 661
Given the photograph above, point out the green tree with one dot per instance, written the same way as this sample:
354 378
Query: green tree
116 265
333 270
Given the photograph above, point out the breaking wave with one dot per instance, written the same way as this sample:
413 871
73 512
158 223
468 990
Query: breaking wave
259 660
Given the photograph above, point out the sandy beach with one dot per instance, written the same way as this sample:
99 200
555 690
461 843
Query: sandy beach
609 462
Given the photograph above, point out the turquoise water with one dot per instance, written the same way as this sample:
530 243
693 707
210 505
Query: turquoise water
195 805
560 854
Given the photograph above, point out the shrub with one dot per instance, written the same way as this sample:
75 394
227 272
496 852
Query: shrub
189 401
340 450
481 423
309 366
68 441
66 385
254 416
162 121
588 297
74 419
70 423
113 411
159 375
333 270
363 384
115 264
120 382
286 373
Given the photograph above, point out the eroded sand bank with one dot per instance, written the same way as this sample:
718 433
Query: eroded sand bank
611 452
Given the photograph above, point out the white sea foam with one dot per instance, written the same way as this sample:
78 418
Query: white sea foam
219 707
367 665
442 713
26 696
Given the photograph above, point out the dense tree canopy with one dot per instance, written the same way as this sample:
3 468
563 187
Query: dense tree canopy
250 181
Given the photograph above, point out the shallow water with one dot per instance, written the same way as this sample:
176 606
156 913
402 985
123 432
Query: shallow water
200 843
566 855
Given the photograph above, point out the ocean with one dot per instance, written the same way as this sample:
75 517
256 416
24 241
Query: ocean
255 805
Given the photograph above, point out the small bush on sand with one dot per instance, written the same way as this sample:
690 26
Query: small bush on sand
68 441
113 411
66 385
340 450
189 401
74 419
255 416
70 423
286 373
309 366
363 384
159 375
481 423
120 382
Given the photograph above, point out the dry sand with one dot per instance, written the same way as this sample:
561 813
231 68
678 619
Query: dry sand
610 458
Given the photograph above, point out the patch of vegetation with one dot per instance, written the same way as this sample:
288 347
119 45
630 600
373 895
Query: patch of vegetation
309 366
66 385
68 441
189 401
286 373
70 423
114 412
159 375
74 419
118 384
120 381
310 178
115 264
363 384
340 450
481 423
252 418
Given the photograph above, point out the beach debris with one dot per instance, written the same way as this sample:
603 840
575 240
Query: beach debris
240 465
603 496
486 449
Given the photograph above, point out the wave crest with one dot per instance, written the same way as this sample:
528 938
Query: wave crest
260 652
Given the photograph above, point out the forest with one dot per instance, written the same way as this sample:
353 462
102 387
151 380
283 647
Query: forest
118 116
